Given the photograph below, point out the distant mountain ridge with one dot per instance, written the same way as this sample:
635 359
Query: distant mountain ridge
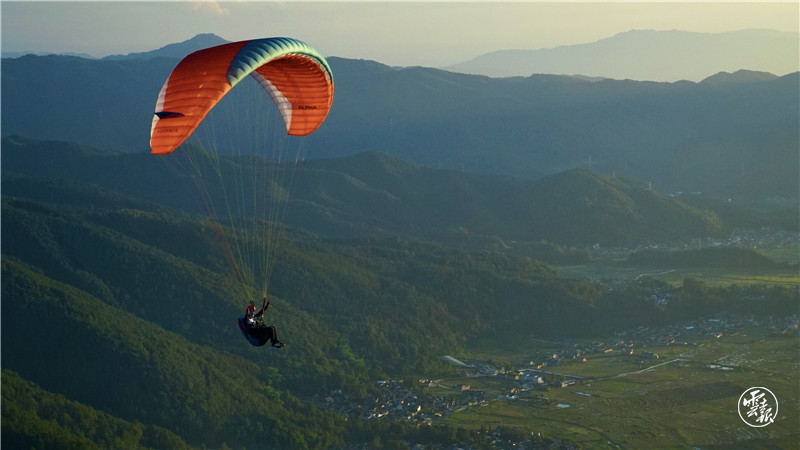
734 135
740 76
644 55
12 55
177 50
649 55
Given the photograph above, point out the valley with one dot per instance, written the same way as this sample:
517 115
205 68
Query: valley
690 399
369 307
649 387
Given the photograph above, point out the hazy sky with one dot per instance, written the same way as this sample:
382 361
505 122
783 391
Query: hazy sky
404 34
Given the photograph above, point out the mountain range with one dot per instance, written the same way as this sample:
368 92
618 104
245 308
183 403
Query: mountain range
644 55
733 135
667 56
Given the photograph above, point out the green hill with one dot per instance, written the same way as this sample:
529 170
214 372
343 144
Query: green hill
147 336
374 194
35 418
113 361
589 207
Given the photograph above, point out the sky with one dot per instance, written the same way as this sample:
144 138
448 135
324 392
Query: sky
402 33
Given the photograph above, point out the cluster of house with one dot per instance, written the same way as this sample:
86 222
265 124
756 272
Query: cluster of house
631 342
392 399
761 238
542 371
500 438
520 380
702 328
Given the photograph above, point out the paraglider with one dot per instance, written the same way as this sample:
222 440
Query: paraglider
255 330
297 78
299 82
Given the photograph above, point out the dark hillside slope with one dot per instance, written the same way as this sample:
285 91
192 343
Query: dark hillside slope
167 269
134 369
170 270
575 203
376 194
117 269
576 207
98 251
398 196
35 418
95 102
170 361
138 175
170 230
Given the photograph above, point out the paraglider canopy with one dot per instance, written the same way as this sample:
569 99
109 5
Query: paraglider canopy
297 78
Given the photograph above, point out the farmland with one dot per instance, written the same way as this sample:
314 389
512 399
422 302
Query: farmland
781 248
686 396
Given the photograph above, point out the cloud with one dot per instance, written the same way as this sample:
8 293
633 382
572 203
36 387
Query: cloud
213 7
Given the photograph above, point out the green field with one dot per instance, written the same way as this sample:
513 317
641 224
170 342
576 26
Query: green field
613 267
786 255
688 400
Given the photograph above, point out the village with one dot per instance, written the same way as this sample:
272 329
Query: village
748 238
429 400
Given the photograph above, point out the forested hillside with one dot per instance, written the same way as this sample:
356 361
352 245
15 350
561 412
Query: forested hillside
378 195
119 307
35 418
726 138
146 334
110 360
